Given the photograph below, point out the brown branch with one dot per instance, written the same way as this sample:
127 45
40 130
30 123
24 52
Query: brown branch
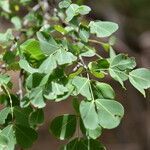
20 82
96 42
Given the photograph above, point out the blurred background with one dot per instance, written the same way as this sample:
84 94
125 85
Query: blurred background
133 37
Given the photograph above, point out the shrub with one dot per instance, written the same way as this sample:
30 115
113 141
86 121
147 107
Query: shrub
50 49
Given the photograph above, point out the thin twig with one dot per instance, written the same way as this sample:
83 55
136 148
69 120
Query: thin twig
10 99
20 92
96 42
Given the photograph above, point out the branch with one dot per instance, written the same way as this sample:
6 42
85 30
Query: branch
10 99
96 42
20 92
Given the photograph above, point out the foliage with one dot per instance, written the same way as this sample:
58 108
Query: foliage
49 51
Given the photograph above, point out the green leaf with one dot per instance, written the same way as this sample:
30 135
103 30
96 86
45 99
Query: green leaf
25 65
63 127
103 90
60 29
76 73
44 80
89 115
71 12
48 65
74 10
70 88
140 79
6 38
98 67
9 57
61 57
4 79
58 88
32 47
94 134
84 10
95 112
35 80
87 52
17 22
122 62
64 57
82 86
118 75
4 114
5 99
4 4
36 97
110 109
83 144
25 102
106 46
84 33
3 142
55 90
22 115
47 43
25 136
119 66
36 117
102 64
9 133
24 1
64 4
69 29
103 28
